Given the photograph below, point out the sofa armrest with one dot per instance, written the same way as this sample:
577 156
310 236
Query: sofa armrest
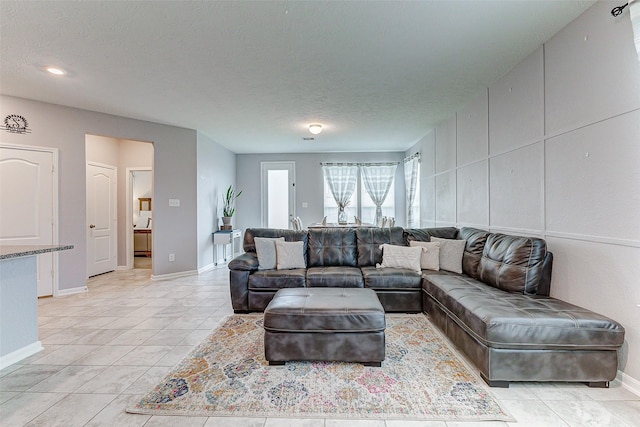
245 262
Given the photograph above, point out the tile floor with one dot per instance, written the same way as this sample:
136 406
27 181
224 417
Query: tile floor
107 346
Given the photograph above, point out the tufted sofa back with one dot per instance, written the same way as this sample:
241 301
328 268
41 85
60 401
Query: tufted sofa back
513 263
332 247
249 244
476 240
370 239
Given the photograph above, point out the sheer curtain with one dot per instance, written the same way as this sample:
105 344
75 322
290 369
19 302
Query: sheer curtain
634 13
377 181
411 169
342 181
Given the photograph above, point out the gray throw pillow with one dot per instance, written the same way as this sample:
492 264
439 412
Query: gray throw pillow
266 252
290 255
451 252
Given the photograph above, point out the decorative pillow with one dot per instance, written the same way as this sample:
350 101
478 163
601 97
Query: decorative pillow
451 251
266 251
290 255
401 257
430 259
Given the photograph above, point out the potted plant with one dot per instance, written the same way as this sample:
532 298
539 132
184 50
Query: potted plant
229 207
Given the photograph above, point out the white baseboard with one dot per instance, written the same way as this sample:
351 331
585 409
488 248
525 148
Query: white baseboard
124 267
208 267
174 275
19 354
628 382
71 291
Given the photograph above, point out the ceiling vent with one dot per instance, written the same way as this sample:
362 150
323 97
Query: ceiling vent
308 138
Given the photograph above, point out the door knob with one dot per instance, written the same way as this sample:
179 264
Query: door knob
92 226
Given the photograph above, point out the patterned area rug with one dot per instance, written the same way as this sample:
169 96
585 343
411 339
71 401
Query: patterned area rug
227 375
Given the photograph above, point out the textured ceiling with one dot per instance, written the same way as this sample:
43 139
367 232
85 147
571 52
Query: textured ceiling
253 75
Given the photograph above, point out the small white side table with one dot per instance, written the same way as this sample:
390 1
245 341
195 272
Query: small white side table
224 238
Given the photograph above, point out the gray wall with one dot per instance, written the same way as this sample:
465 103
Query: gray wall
309 183
123 154
175 172
552 149
216 171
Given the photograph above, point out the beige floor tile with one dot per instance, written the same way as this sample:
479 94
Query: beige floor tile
114 379
147 381
65 355
626 410
587 414
294 422
133 337
7 395
167 337
114 415
234 422
144 355
105 355
27 376
174 356
167 421
74 410
26 407
532 413
68 379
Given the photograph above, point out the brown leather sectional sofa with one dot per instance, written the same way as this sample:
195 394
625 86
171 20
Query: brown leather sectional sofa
498 312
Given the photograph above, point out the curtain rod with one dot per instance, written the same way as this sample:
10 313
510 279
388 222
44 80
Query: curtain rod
406 159
360 164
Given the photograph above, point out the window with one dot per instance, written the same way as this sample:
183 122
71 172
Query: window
360 203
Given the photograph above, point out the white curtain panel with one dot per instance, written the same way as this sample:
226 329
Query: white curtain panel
342 182
410 183
634 14
377 182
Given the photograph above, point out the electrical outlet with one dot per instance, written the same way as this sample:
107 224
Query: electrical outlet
174 203
172 257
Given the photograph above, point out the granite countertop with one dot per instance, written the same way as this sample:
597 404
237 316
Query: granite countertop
16 251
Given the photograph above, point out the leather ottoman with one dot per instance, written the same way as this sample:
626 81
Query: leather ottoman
327 324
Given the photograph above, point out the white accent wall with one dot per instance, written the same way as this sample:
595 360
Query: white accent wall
552 149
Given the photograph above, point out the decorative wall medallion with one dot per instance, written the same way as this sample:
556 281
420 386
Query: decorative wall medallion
15 123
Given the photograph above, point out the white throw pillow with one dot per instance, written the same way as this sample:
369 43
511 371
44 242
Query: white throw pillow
451 252
266 251
430 259
395 256
290 255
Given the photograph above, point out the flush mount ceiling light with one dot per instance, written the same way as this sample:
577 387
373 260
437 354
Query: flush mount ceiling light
55 70
315 128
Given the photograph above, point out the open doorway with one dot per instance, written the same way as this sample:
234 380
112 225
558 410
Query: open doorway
140 186
124 155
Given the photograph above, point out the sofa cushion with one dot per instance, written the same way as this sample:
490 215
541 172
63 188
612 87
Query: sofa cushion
370 239
513 263
476 239
278 279
508 320
332 247
391 278
334 277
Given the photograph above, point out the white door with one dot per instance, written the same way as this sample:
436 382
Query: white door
101 219
278 194
27 205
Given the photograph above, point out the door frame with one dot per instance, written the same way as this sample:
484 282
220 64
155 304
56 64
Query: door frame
54 209
115 207
264 167
129 211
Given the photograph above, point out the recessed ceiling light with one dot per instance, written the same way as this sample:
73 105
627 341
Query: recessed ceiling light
55 70
315 128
